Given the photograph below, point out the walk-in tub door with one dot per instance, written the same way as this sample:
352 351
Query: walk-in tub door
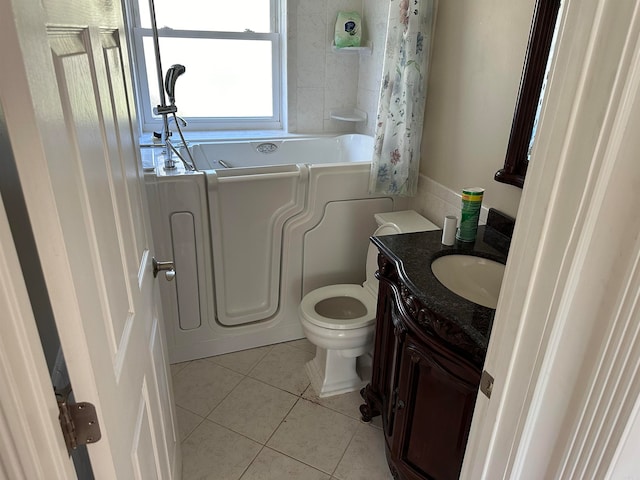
248 209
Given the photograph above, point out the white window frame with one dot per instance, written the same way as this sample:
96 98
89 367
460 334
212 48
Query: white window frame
149 123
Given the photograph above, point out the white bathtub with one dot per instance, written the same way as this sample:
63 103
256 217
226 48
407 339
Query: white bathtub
321 150
249 239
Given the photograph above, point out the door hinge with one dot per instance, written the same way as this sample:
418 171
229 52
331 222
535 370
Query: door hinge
486 383
78 421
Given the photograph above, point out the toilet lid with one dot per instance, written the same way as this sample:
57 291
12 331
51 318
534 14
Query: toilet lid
352 305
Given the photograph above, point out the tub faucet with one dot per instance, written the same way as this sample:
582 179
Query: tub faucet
169 146
180 121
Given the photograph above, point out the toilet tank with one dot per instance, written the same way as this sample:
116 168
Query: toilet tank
391 223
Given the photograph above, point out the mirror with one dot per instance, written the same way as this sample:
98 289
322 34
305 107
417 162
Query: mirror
533 73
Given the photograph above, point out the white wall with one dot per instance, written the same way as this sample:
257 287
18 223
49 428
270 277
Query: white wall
478 52
476 63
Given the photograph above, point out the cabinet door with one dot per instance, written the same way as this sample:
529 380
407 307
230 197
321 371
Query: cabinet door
380 395
394 341
435 403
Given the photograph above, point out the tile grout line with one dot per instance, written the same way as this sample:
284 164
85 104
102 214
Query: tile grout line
211 359
190 411
251 463
202 420
253 367
280 424
206 417
298 460
333 473
317 402
264 445
247 437
299 396
245 376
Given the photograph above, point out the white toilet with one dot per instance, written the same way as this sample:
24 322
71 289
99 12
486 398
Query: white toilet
340 319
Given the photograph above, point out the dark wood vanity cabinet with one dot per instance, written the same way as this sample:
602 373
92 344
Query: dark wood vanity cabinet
422 385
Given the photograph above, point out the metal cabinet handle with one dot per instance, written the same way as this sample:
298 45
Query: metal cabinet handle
168 268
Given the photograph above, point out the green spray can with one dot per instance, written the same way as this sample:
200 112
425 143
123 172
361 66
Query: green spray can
470 214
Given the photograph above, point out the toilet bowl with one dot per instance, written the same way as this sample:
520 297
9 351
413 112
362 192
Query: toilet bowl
340 319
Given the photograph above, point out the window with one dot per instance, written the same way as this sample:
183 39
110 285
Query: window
232 55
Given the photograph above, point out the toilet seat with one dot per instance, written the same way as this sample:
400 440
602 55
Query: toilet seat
357 292
340 320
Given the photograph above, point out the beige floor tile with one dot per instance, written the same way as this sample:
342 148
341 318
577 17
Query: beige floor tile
303 344
376 422
253 409
365 458
347 403
176 367
314 435
272 465
283 367
243 361
202 385
213 452
187 422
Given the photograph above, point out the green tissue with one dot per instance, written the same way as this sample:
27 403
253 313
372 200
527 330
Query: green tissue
348 30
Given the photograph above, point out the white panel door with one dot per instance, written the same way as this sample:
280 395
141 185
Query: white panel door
66 90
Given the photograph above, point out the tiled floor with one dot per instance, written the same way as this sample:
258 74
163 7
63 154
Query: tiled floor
253 415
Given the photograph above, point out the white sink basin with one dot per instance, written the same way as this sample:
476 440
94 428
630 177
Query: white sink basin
475 278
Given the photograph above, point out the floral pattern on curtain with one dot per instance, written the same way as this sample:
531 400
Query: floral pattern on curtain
396 157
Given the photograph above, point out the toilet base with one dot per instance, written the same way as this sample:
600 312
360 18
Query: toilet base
331 373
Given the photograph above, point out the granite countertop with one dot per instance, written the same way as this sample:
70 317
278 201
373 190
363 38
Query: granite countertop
413 253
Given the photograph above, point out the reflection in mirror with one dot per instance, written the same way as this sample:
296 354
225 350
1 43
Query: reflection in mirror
543 89
531 93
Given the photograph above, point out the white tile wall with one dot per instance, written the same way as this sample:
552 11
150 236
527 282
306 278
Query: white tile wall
321 80
434 201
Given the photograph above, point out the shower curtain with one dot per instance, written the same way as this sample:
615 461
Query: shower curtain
396 158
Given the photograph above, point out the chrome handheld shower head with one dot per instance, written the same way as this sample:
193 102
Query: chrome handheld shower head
170 81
